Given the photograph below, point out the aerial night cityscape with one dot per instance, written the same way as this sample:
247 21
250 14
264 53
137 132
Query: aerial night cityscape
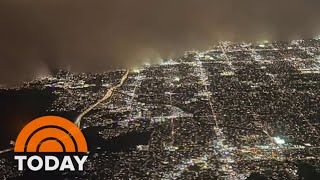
231 112
160 89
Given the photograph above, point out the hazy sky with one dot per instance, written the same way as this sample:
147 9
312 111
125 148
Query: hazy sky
37 36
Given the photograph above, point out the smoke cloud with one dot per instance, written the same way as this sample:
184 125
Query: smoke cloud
39 36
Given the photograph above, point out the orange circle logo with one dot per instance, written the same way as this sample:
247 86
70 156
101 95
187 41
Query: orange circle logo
50 134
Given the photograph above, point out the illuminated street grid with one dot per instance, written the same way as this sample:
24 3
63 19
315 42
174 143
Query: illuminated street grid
225 113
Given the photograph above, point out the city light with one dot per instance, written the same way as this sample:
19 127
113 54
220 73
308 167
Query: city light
279 141
136 70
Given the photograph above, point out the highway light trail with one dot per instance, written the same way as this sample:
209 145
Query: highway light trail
6 150
104 98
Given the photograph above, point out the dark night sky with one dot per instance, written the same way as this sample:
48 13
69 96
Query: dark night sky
97 35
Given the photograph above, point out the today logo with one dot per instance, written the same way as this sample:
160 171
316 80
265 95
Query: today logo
46 141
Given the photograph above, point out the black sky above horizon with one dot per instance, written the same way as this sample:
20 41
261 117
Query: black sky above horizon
92 36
